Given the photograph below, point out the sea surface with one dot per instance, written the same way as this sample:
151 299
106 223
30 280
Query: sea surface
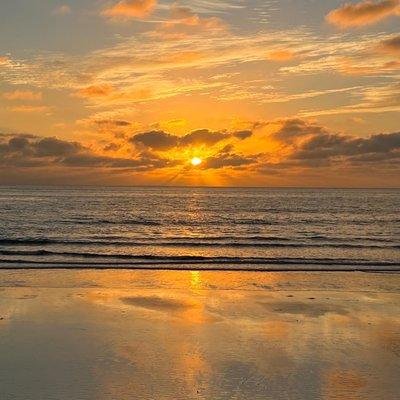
200 228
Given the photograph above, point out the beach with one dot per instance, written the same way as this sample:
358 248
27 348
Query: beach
120 334
199 200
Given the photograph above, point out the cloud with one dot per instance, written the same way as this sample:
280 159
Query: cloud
228 159
184 23
185 16
366 65
342 148
110 122
363 13
242 135
95 91
281 55
390 46
21 146
308 149
292 129
32 151
318 142
29 109
163 141
112 147
306 153
374 100
53 147
88 160
22 95
156 140
130 9
4 60
365 56
202 137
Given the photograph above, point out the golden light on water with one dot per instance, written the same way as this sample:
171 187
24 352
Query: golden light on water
196 161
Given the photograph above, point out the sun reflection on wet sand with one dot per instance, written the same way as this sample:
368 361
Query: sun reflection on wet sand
195 280
199 335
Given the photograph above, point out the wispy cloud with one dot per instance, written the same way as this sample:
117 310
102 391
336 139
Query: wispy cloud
29 109
130 9
23 95
366 12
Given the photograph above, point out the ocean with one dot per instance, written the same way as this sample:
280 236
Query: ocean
200 228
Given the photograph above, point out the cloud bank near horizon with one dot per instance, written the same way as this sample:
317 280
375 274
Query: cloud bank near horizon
297 148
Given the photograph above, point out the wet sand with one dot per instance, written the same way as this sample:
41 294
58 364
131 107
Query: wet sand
116 335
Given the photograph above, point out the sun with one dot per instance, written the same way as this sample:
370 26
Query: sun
196 161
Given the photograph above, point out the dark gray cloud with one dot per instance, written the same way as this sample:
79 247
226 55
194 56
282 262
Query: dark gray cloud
242 135
37 148
53 147
228 158
162 141
23 151
328 146
141 163
112 122
92 160
112 147
202 137
296 128
4 136
156 140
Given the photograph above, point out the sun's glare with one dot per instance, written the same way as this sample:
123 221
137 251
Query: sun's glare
196 161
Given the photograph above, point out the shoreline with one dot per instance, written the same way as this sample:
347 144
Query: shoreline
189 267
161 277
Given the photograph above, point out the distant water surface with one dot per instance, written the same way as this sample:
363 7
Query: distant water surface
217 228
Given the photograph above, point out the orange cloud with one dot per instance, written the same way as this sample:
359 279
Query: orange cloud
127 9
30 109
22 95
281 55
182 57
364 13
349 66
184 22
4 60
185 16
95 91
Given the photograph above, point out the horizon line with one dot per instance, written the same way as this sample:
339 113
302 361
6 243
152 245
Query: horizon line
199 186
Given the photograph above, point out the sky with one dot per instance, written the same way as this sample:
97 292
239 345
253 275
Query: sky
263 92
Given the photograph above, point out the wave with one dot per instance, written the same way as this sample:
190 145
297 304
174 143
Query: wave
210 242
146 259
209 265
221 220
111 222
